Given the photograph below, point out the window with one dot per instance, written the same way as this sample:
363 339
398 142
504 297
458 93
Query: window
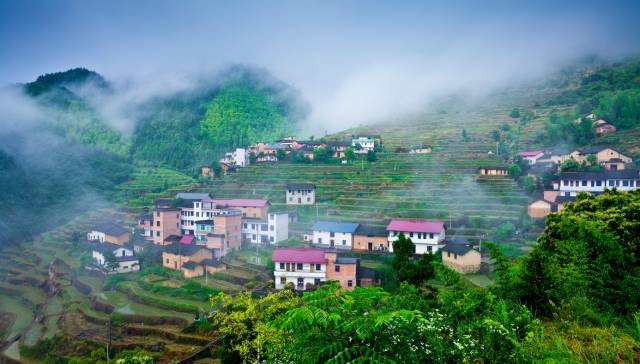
584 183
448 254
625 183
411 235
281 265
429 248
318 267
158 223
308 199
299 266
332 234
167 261
337 268
316 281
565 183
158 233
455 256
350 283
598 183
319 240
283 280
272 228
344 242
431 236
254 237
244 225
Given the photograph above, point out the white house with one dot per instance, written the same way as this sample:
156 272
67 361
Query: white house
126 261
301 194
270 231
108 232
366 144
238 158
200 209
299 266
334 234
428 236
572 183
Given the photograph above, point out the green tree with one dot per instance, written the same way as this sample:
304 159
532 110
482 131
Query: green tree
407 268
350 154
465 137
252 158
321 154
515 170
503 232
371 156
240 114
515 113
281 154
110 261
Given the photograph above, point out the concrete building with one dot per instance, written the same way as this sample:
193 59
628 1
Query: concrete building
572 183
238 158
109 233
371 238
301 194
362 144
493 171
334 234
427 235
307 268
191 260
166 223
272 230
126 262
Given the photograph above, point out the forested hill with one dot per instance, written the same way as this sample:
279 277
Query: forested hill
241 106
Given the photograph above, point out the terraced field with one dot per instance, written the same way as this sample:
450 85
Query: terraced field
441 185
43 292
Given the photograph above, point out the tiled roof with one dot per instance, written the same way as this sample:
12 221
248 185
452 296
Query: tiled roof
621 174
187 239
347 260
183 249
565 199
241 202
371 230
336 227
192 196
419 226
110 229
299 255
494 167
190 265
460 249
364 272
301 186
105 247
530 153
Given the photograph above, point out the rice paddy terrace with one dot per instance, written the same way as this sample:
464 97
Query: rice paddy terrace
441 185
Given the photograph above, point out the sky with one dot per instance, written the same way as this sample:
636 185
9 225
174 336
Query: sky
355 61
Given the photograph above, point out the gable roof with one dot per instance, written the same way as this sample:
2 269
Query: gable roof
301 186
364 272
530 153
371 230
598 176
105 247
565 199
192 195
183 249
419 226
336 227
347 260
494 167
187 239
190 265
339 143
110 228
460 249
299 255
241 202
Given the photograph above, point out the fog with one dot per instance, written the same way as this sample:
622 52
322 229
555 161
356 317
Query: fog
356 62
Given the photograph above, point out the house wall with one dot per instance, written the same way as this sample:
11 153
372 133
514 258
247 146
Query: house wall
123 267
539 209
493 172
346 276
551 195
94 235
195 272
175 261
165 223
259 212
278 228
361 242
301 197
122 239
468 263
290 272
339 240
425 242
231 227
607 154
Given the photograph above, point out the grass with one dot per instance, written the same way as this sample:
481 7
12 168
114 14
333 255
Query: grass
149 183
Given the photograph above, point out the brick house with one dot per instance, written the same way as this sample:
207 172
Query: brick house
165 223
463 258
192 260
249 207
371 238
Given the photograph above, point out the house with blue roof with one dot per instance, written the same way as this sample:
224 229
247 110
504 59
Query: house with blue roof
330 234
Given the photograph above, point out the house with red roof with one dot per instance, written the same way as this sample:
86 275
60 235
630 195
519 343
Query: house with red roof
307 268
531 156
427 235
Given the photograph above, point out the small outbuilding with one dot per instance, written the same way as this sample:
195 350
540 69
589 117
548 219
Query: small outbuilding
461 257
